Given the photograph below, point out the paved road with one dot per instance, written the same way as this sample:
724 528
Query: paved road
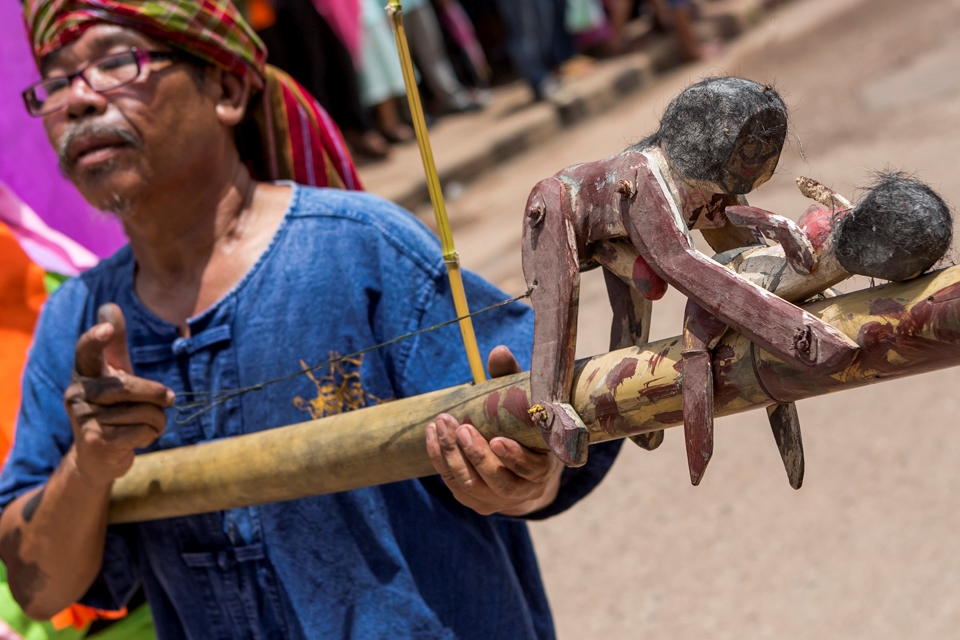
868 548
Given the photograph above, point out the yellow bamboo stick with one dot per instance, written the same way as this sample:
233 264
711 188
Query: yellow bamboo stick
450 256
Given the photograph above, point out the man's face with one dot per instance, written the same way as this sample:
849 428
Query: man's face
120 146
755 154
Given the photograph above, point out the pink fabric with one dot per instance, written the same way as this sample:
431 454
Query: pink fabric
6 633
343 16
48 248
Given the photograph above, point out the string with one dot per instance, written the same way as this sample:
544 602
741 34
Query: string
212 399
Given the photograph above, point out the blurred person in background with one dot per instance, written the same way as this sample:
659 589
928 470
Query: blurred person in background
428 52
318 43
468 55
678 15
381 78
538 41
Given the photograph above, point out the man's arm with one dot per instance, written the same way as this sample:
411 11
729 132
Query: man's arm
52 538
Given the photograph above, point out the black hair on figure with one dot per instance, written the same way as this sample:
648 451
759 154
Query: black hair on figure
700 127
900 229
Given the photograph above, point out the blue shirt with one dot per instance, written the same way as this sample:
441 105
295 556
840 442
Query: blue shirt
344 271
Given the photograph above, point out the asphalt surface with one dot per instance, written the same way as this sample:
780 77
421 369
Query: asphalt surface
868 547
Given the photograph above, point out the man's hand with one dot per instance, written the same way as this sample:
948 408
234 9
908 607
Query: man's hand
501 476
111 410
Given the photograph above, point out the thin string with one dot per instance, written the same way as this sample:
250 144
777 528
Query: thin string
209 400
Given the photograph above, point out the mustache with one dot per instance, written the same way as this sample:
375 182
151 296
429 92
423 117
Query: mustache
92 128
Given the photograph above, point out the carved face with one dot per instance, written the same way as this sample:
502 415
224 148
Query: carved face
755 153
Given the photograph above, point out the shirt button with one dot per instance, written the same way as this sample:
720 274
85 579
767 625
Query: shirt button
223 560
180 346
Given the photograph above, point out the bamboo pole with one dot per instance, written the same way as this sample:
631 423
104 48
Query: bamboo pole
450 256
903 329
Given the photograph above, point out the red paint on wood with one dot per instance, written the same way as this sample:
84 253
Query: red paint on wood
659 392
491 408
608 413
623 370
657 359
888 308
669 417
592 376
649 284
723 390
818 224
517 405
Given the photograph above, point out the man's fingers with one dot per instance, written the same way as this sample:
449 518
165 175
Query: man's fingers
433 450
116 353
444 458
449 459
130 413
463 472
501 362
88 355
126 388
527 464
497 476
132 436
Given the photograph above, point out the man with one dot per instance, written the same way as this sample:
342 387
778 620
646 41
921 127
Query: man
228 282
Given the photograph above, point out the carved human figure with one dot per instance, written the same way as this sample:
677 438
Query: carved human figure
719 139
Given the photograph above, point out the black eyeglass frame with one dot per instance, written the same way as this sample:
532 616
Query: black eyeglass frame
140 58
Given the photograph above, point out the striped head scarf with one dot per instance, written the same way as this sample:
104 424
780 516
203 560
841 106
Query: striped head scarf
288 135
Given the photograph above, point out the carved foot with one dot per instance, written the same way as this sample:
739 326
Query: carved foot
698 412
701 333
563 431
785 424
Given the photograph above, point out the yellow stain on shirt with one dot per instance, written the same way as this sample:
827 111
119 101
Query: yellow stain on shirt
338 391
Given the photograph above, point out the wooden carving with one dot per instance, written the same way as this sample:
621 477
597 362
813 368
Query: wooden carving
718 140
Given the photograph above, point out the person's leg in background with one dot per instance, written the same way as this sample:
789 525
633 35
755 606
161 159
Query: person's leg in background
427 49
381 79
525 40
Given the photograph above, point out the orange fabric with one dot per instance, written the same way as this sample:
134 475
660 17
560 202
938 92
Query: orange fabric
80 616
22 293
261 14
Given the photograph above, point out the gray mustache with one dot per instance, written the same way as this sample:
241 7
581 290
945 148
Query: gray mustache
80 129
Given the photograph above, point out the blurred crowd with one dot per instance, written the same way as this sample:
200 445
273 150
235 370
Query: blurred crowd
343 52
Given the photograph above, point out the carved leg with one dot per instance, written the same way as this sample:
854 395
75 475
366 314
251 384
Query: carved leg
631 328
552 270
785 424
701 333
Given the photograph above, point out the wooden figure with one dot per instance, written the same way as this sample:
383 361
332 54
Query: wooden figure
898 230
719 139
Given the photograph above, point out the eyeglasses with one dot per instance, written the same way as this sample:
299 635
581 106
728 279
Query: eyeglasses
103 74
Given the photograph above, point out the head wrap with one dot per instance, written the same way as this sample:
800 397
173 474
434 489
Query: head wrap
288 135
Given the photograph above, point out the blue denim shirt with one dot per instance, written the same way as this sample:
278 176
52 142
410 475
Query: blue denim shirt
344 271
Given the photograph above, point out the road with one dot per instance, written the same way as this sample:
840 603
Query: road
868 547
